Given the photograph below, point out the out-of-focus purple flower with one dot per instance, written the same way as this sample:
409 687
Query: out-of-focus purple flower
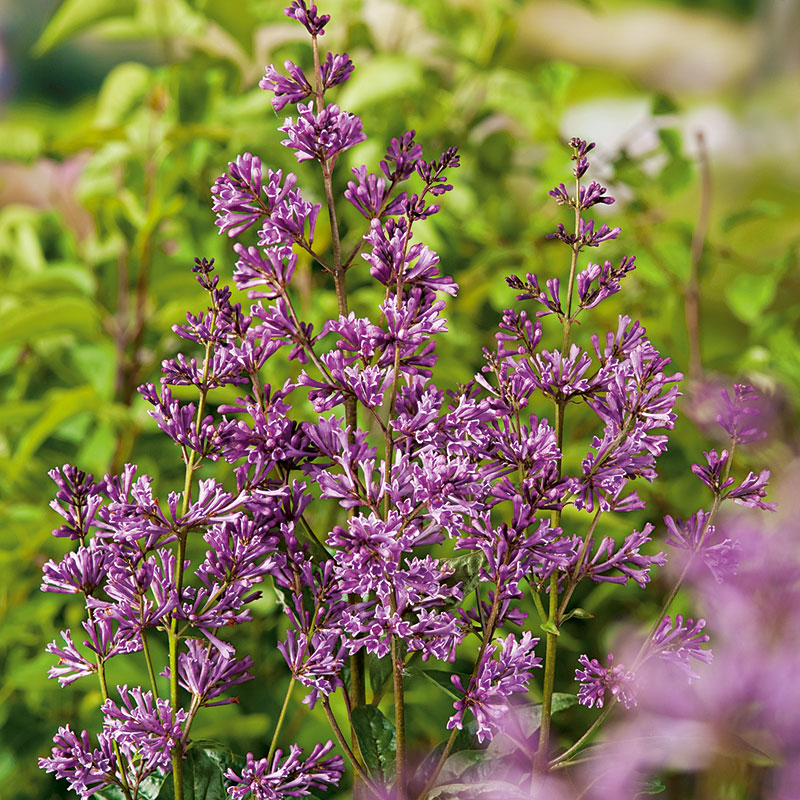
696 535
495 680
679 643
596 680
289 777
86 769
736 413
322 136
307 16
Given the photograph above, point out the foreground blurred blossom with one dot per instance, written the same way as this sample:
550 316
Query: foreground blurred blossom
743 710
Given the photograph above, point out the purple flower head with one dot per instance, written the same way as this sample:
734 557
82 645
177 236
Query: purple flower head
313 22
85 769
588 196
403 154
626 558
72 664
81 571
145 726
289 777
595 680
696 535
206 672
751 490
711 475
679 643
274 270
596 283
286 90
530 290
322 136
736 414
77 501
315 660
236 195
369 194
495 680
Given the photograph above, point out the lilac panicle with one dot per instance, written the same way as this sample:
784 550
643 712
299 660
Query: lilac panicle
487 693
287 777
322 136
86 769
596 680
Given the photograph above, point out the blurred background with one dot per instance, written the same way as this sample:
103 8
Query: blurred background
116 116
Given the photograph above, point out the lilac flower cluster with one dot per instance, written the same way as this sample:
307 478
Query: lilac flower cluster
405 467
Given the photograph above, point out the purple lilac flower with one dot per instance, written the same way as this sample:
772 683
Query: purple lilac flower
750 491
147 727
530 290
322 136
86 769
736 413
77 501
236 195
81 571
626 558
596 283
72 664
696 535
289 777
403 155
711 475
286 90
495 680
315 660
207 673
596 680
369 194
307 15
678 643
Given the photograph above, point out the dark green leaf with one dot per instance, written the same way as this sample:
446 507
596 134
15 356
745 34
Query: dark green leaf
379 670
376 738
663 104
441 678
466 570
203 773
148 789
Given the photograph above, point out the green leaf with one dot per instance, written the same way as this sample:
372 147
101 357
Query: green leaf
441 678
123 89
578 613
36 319
77 16
750 295
651 786
148 789
550 627
676 175
671 140
663 104
379 670
203 773
758 209
466 570
376 738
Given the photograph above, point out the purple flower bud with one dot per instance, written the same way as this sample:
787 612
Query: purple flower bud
313 22
403 154
76 500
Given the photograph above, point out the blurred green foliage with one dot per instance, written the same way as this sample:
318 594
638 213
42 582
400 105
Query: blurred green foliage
104 203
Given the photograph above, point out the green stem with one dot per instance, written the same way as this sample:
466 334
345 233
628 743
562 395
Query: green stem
399 716
337 732
101 674
274 742
563 759
149 660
